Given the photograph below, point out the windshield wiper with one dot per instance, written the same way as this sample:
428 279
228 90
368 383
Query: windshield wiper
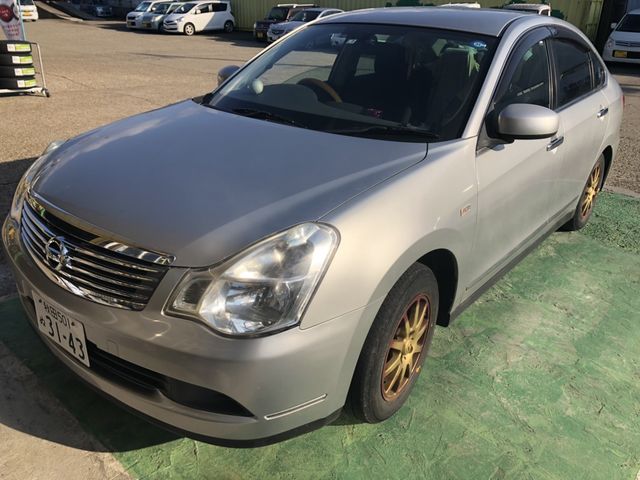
264 115
390 130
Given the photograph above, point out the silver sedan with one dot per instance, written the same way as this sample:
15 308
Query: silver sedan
189 266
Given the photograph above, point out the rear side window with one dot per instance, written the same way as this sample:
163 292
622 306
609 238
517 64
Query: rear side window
573 70
220 7
529 81
599 74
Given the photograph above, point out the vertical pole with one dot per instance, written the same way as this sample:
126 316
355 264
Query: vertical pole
24 33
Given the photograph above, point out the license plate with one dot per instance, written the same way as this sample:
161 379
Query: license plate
146 25
260 35
61 328
619 54
26 14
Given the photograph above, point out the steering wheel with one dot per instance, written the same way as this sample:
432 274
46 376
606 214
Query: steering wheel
315 84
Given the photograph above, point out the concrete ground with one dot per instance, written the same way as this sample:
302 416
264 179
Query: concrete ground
537 380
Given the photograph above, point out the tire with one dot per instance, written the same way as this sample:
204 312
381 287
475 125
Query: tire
18 83
14 46
228 26
189 29
588 197
374 397
17 72
14 59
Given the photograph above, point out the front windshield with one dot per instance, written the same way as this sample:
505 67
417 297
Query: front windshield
279 14
26 2
381 81
142 7
630 23
305 16
161 8
185 8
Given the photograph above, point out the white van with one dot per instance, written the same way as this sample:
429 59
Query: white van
200 16
623 44
28 10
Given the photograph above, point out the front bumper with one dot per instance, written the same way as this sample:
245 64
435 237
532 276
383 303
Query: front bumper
285 381
272 37
133 22
171 27
632 54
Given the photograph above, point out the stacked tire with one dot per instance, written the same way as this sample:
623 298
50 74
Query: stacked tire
16 65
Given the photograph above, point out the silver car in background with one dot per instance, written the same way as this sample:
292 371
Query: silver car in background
245 293
153 20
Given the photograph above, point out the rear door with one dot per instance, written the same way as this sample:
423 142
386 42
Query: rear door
515 180
583 109
219 15
202 16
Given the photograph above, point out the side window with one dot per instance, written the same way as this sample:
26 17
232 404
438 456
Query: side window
220 7
204 8
527 81
599 73
573 70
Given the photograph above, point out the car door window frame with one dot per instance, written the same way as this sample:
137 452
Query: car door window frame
524 43
563 34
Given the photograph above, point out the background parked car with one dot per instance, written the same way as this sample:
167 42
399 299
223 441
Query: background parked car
537 8
278 30
28 10
196 17
280 13
97 8
154 20
134 18
623 44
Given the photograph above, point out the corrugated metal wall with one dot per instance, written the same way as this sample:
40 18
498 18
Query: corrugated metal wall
583 13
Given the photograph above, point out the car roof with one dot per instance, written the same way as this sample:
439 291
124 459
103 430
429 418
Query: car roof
484 21
319 9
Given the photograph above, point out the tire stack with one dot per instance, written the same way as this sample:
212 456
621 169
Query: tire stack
16 65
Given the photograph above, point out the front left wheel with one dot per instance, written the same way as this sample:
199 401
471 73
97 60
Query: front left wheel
189 29
396 347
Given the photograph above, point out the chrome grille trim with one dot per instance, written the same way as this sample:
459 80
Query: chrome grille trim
87 269
622 43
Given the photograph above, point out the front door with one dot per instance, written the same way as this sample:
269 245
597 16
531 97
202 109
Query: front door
202 16
515 180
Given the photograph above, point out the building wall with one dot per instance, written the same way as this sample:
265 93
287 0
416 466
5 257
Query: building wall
583 13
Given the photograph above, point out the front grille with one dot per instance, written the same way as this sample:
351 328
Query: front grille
621 43
67 256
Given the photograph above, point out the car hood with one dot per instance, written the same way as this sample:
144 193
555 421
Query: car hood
289 26
625 36
201 184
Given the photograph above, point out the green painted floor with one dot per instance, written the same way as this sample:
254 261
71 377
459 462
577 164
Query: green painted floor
539 379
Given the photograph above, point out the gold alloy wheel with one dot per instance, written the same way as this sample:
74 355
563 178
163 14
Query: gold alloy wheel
405 349
590 193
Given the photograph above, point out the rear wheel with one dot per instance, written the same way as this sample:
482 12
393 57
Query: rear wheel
396 346
587 198
189 29
228 26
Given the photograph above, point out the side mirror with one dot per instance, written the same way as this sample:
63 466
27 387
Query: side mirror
522 121
614 25
225 72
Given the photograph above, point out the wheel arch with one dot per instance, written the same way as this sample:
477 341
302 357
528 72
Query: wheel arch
608 160
444 266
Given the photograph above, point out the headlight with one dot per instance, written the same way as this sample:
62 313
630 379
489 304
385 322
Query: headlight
609 43
263 290
27 178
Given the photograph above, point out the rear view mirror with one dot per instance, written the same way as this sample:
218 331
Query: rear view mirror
527 122
225 72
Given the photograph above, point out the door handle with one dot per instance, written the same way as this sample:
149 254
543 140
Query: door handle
603 112
555 143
